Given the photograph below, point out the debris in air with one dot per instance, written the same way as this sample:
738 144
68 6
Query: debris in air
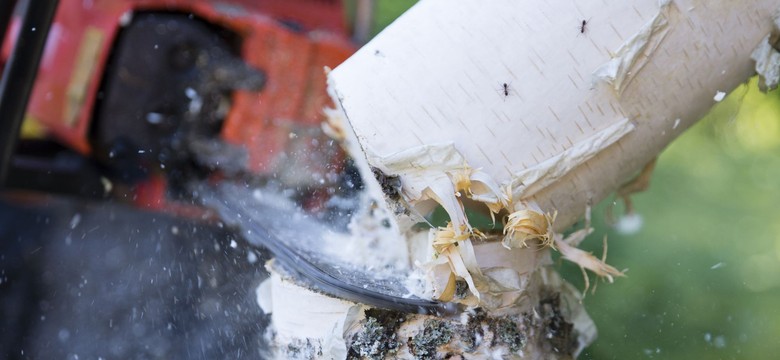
629 224
717 341
719 96
75 221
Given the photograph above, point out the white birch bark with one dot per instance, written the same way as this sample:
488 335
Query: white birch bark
436 76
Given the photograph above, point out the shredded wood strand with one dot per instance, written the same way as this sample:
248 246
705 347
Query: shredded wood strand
588 261
525 225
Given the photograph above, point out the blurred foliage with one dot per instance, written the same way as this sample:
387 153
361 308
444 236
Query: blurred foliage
385 11
704 279
388 10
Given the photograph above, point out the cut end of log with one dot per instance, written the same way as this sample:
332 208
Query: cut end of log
553 325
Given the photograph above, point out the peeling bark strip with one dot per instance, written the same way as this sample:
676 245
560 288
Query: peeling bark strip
635 52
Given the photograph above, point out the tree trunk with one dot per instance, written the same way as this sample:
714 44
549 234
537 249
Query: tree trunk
526 111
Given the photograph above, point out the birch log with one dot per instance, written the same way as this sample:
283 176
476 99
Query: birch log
524 110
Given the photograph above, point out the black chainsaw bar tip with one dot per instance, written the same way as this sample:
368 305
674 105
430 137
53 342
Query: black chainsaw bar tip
265 225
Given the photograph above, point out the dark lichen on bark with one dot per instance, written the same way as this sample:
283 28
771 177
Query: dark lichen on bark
378 336
391 187
504 331
556 332
473 332
391 184
461 288
303 349
434 334
441 338
507 332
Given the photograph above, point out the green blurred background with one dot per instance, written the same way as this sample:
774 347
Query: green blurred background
704 268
